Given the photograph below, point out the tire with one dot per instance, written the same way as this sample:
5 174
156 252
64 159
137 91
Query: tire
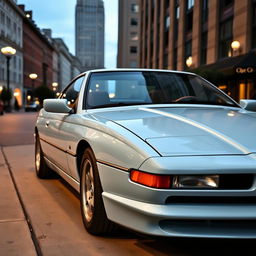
92 208
42 170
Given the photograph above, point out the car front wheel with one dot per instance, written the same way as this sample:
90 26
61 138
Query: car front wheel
42 170
92 208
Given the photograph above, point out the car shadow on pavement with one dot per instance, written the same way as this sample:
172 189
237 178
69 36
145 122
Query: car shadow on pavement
172 246
197 246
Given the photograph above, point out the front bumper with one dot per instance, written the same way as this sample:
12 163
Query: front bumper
211 221
179 212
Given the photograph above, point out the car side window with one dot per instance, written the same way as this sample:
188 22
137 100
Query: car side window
72 92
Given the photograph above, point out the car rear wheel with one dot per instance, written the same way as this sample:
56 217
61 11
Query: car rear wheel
92 208
42 170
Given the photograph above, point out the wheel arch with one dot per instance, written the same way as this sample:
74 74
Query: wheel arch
81 147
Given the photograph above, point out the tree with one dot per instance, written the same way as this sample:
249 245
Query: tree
43 92
6 95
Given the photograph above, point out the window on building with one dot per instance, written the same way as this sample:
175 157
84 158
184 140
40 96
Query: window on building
15 62
134 36
14 28
133 49
225 38
135 8
167 3
188 49
167 22
254 24
176 22
175 58
190 4
177 12
8 22
189 15
165 61
2 18
204 11
226 3
204 39
134 22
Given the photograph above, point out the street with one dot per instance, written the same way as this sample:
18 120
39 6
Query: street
42 217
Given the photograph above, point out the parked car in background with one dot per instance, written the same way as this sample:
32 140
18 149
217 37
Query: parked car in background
32 106
1 108
161 152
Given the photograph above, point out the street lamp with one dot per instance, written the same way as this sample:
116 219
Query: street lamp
54 86
189 61
235 45
33 77
8 52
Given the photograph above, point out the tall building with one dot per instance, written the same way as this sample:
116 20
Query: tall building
37 56
90 33
128 34
11 35
189 34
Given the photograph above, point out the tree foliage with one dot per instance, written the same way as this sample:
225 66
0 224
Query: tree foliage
43 92
6 95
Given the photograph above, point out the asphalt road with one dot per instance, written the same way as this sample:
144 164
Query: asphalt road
52 208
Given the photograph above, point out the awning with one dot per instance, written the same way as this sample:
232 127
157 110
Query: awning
239 65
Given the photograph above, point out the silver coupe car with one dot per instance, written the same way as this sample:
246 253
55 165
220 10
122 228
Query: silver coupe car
161 152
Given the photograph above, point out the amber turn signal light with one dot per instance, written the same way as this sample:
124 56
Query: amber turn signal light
151 180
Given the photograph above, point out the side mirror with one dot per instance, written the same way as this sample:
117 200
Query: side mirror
57 106
249 105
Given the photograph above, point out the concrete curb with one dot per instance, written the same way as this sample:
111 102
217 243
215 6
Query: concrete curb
14 230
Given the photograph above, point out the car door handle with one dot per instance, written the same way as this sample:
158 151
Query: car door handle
47 123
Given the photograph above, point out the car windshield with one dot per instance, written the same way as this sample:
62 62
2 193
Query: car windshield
110 89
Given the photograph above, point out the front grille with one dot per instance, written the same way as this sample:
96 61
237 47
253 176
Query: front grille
210 225
236 181
241 200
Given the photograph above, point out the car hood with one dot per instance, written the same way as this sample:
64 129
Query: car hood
173 131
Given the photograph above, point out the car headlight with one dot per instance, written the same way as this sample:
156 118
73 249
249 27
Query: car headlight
175 181
195 181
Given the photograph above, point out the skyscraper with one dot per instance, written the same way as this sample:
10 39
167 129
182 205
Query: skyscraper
90 33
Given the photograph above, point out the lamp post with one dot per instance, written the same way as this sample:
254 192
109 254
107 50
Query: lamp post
8 52
33 77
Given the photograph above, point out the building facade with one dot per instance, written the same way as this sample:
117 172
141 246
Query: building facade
89 24
11 27
68 65
128 34
37 54
189 34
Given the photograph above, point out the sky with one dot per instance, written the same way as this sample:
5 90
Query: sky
59 15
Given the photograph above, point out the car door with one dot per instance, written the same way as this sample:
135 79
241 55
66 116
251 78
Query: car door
56 134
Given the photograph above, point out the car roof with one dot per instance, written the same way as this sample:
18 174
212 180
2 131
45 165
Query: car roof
135 70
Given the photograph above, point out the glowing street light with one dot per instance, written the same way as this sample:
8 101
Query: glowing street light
189 61
33 77
8 52
54 86
235 45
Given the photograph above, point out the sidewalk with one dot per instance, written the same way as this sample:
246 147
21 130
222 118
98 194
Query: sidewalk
15 238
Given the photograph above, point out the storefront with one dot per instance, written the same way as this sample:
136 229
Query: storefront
239 79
